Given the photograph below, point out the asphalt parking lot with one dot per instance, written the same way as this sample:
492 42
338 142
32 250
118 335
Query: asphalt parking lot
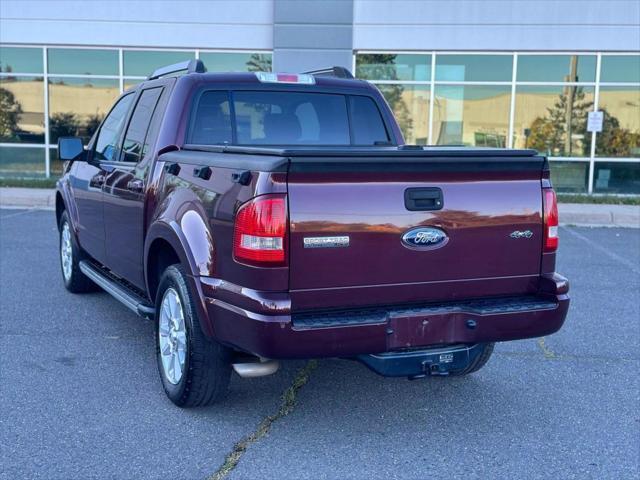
80 396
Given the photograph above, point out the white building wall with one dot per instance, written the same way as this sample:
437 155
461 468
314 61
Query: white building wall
567 25
227 24
312 34
327 29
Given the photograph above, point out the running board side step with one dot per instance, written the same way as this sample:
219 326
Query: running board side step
127 296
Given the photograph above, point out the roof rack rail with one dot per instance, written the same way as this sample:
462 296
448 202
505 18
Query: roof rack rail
191 66
339 72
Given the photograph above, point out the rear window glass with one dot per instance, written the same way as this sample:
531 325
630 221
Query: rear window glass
287 118
367 127
212 121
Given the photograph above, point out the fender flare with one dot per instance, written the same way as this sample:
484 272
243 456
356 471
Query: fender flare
63 189
172 233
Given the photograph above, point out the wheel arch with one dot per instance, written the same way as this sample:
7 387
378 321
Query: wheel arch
166 245
66 202
60 207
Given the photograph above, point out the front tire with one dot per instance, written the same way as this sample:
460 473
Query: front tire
194 369
70 255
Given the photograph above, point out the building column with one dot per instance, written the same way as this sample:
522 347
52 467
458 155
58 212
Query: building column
312 34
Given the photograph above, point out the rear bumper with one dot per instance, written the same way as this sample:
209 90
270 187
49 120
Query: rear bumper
414 364
261 323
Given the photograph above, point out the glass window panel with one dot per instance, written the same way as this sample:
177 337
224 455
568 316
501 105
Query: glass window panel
212 122
286 118
476 115
620 68
22 162
142 63
410 106
107 142
81 61
55 165
400 66
135 141
569 177
556 68
474 68
620 136
21 110
21 60
78 105
367 126
617 177
236 62
553 119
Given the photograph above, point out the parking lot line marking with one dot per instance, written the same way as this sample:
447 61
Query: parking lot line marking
287 404
2 217
602 249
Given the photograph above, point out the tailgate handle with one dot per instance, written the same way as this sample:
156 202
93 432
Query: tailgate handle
423 199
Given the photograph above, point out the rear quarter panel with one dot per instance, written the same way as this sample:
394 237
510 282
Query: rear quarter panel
203 211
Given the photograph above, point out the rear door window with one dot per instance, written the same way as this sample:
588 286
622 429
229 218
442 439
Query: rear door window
135 145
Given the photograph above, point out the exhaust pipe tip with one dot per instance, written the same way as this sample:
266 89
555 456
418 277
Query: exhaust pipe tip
256 369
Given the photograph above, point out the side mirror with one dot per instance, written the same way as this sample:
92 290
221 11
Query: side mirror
70 149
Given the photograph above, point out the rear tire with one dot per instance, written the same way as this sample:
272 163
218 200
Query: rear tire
479 362
70 255
194 369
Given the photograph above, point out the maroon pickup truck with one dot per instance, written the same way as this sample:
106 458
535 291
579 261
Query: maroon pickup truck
266 216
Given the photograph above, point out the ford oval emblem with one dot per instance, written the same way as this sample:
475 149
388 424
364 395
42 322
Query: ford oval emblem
424 238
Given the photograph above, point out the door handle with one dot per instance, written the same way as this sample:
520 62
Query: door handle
423 199
135 185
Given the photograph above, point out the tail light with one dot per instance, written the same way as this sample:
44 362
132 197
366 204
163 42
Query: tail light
550 205
260 235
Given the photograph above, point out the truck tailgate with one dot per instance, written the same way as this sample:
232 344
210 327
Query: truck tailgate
348 219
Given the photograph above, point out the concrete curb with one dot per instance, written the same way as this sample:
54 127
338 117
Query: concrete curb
594 215
29 198
583 214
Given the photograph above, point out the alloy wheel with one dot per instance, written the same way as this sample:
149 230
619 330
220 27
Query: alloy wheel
172 336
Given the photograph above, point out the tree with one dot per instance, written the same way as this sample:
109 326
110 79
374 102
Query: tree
615 141
567 118
92 123
381 67
63 124
552 134
10 111
259 63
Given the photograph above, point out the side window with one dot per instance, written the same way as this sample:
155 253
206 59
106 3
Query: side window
134 145
212 121
106 146
366 122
